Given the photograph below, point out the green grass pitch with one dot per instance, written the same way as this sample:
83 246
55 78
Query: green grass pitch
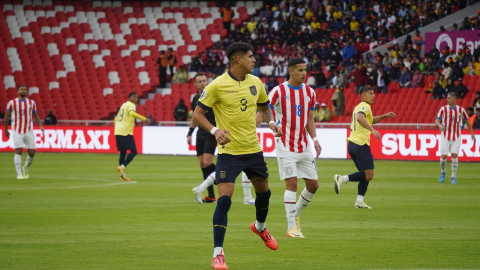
75 213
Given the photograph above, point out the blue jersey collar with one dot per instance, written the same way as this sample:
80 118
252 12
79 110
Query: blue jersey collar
296 88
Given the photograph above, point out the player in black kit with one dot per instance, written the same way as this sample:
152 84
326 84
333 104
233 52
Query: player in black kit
205 144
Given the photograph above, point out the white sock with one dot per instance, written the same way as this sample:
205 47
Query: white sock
217 251
443 164
28 162
246 185
454 167
17 159
345 178
123 166
207 182
303 200
359 198
259 226
289 199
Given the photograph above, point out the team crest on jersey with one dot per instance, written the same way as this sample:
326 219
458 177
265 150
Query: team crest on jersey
223 174
307 99
288 170
204 94
253 90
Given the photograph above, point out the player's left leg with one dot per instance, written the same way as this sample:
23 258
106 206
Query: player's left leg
306 169
455 149
444 149
17 159
30 145
362 189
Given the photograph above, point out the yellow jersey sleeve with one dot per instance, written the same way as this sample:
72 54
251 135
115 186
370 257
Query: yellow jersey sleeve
209 95
358 134
263 97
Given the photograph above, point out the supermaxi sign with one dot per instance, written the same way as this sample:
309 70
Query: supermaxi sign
453 40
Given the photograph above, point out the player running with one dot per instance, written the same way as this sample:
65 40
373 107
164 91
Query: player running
124 122
206 145
21 110
294 104
449 119
359 145
235 97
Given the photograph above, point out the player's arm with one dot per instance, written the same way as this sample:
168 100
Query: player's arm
202 121
190 131
258 119
37 119
471 130
379 118
363 122
313 132
438 123
267 116
6 121
135 115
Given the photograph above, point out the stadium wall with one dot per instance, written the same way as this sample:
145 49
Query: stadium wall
396 144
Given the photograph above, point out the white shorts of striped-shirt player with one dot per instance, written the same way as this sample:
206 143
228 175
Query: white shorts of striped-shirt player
291 164
21 140
447 146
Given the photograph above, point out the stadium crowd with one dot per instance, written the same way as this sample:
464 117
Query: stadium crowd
333 36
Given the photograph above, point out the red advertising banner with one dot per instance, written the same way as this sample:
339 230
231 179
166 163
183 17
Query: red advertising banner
420 145
74 139
452 39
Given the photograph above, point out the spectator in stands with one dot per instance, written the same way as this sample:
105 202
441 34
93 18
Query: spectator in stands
442 59
267 70
280 70
227 14
450 87
338 101
461 89
340 79
468 57
395 72
181 111
471 115
442 81
196 64
418 79
457 71
447 70
270 84
172 60
50 119
434 53
430 67
382 81
181 76
438 91
405 78
218 70
152 121
349 51
476 124
476 52
418 40
320 79
360 78
323 114
162 61
469 69
476 101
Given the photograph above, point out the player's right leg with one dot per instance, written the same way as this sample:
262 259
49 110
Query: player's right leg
444 149
455 149
18 143
30 145
289 199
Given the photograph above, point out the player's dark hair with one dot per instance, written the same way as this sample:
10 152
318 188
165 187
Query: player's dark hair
131 94
198 75
20 86
238 47
295 61
366 89
453 94
470 109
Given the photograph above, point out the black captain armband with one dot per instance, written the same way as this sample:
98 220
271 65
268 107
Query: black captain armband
190 131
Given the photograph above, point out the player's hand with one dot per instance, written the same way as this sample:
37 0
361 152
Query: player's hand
390 115
277 131
7 134
442 128
189 140
376 134
148 121
318 148
474 139
43 130
221 136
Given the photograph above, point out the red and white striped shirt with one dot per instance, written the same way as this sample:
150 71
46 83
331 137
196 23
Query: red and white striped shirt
22 120
292 106
452 118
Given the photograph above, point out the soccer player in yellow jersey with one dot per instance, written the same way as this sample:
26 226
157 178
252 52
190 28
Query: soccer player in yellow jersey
359 145
124 122
235 97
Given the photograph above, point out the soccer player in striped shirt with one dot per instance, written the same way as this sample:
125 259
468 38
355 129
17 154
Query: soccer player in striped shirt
21 110
449 121
294 104
359 145
124 122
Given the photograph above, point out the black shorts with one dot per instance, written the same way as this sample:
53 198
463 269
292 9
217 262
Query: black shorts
361 156
206 144
125 143
230 166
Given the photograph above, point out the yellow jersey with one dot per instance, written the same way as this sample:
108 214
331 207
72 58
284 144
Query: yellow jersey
358 134
125 119
235 106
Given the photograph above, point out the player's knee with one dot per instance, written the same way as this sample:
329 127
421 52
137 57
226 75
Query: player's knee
454 155
368 175
312 187
202 164
444 156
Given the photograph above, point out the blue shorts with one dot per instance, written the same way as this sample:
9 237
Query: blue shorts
230 166
361 156
125 143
